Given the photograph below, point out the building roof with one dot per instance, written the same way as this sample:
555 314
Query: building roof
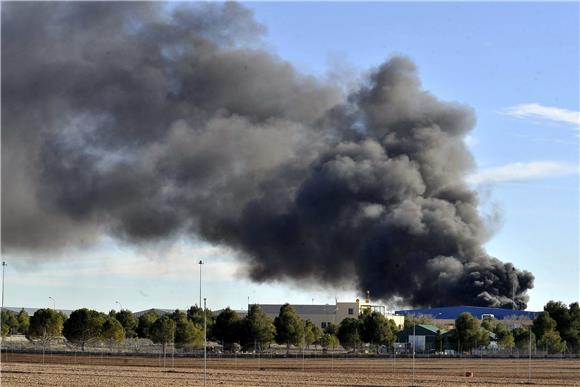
431 328
452 312
304 309
422 330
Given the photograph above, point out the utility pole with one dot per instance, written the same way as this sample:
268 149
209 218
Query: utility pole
204 344
53 302
414 344
4 264
200 263
530 355
2 309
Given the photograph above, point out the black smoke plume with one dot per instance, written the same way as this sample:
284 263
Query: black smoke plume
146 120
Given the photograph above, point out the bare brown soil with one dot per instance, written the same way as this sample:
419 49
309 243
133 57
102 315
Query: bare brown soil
64 370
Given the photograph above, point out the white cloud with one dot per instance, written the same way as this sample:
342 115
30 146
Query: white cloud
523 171
175 261
536 111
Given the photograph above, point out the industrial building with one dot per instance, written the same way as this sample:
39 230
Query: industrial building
479 312
322 315
425 336
431 338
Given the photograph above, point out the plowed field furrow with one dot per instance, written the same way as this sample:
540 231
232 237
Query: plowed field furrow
62 370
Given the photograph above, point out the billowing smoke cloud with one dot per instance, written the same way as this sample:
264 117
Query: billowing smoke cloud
145 121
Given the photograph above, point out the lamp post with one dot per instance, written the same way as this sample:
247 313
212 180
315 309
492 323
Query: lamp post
204 344
530 355
53 303
414 343
200 263
120 306
2 309
4 264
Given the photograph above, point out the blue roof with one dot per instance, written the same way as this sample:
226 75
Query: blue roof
452 312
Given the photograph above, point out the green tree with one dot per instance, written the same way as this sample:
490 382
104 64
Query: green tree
331 329
552 342
565 324
312 333
9 322
483 339
196 315
227 328
467 331
145 321
84 326
348 333
543 324
112 331
187 334
487 324
500 330
258 330
522 339
162 331
329 341
128 321
506 341
575 327
45 326
377 329
289 327
23 322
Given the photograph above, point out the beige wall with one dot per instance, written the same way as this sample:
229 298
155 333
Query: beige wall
343 309
342 312
316 319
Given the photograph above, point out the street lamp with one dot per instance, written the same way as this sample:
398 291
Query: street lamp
204 343
200 263
53 303
2 310
120 306
4 264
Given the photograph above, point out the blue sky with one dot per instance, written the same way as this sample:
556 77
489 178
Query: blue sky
516 64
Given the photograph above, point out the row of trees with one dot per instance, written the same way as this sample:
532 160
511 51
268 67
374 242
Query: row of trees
557 329
255 331
470 333
13 323
291 330
85 326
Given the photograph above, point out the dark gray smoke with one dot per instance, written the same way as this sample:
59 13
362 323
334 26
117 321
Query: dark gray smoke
145 121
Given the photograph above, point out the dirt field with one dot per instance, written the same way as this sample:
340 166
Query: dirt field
28 370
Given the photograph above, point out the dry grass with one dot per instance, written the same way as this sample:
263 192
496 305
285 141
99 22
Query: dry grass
28 370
